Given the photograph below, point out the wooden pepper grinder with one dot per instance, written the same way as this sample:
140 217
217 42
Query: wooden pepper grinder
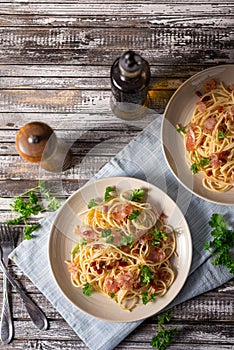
36 142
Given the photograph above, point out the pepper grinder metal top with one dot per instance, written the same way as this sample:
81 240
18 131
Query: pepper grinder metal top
130 78
36 142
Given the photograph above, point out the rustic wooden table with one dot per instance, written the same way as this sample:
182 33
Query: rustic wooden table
55 59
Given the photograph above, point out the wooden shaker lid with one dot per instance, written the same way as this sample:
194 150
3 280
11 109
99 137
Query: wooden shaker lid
32 139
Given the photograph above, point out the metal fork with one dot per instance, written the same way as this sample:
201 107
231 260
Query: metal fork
35 313
7 243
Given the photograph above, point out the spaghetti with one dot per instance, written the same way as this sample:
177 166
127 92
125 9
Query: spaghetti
209 137
124 251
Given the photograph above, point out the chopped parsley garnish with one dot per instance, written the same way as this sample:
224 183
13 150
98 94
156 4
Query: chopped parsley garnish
87 289
221 135
110 193
146 275
165 335
134 214
194 168
181 129
106 232
110 239
137 195
202 163
75 249
127 240
222 244
83 241
146 297
158 235
92 203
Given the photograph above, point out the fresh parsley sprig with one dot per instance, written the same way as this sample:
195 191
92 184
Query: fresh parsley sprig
146 275
134 214
110 192
165 335
24 208
92 203
202 163
222 244
137 195
158 236
127 240
221 135
87 289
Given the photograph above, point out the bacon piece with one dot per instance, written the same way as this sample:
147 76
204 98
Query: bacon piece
198 93
209 124
122 212
125 249
214 160
219 109
85 232
223 155
218 158
190 140
72 268
121 263
156 254
209 85
111 285
163 275
206 98
126 280
230 114
230 87
201 106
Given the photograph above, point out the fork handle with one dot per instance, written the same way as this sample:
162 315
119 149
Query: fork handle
6 317
34 311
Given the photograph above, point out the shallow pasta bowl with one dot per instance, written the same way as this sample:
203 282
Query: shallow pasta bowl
179 111
62 240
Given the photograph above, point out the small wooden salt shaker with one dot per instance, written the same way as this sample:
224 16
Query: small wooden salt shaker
36 142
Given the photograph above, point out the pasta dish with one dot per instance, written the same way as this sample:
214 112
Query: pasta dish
209 137
124 250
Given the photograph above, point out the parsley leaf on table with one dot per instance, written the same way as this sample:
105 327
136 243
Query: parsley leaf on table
164 335
23 208
222 244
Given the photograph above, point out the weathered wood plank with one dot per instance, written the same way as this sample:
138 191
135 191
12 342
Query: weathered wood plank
69 101
187 333
124 21
63 71
75 123
125 345
164 46
211 306
84 83
156 8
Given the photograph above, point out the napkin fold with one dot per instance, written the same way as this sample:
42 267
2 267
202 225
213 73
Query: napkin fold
142 158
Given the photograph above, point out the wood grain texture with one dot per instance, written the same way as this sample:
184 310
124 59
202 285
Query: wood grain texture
55 60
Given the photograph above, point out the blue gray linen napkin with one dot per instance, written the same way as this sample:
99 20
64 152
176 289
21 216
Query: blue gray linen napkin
142 158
